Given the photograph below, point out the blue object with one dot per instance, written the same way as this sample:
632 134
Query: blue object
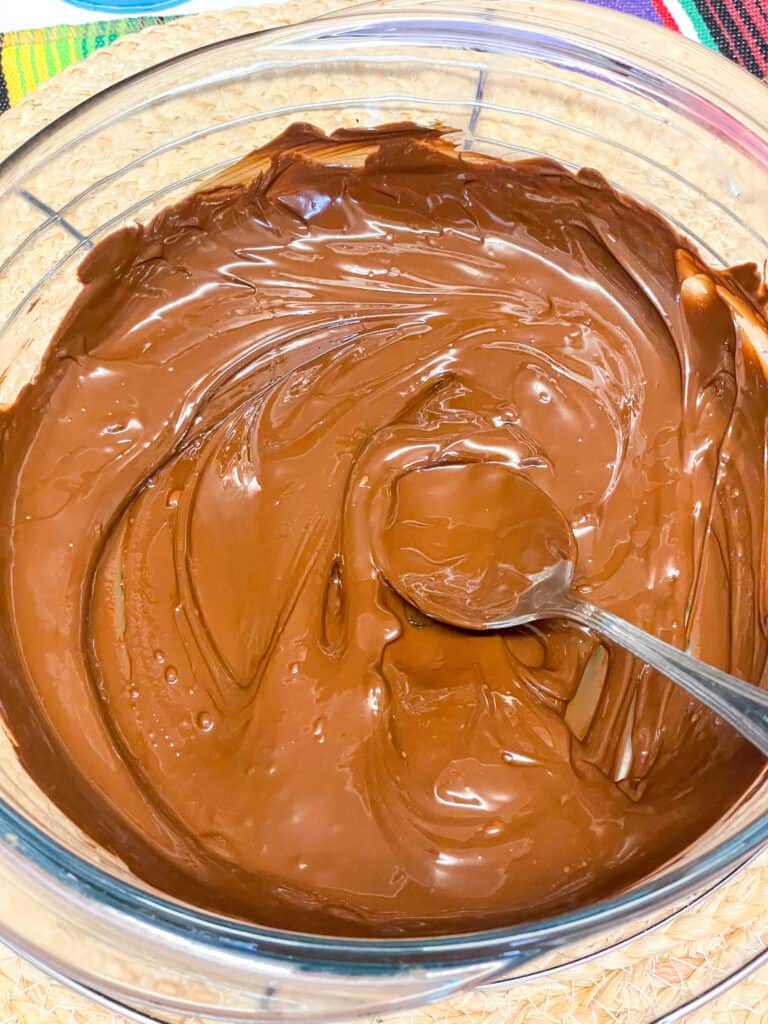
126 6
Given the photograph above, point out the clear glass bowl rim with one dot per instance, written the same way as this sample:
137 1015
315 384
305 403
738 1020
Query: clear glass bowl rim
577 32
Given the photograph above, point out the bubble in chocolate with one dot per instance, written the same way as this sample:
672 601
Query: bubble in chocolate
204 721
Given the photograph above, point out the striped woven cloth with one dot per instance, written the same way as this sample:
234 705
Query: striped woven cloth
738 28
30 57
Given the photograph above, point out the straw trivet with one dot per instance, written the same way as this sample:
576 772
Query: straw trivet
701 949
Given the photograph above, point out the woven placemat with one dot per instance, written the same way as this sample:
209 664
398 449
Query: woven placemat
711 948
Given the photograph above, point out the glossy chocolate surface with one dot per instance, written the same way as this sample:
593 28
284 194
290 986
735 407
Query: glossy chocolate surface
200 658
467 543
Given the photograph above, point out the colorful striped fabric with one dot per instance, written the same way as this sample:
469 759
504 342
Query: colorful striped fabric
29 58
738 28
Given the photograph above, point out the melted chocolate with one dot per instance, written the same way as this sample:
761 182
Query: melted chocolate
200 659
463 542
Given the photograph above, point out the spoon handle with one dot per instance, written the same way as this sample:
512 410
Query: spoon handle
743 705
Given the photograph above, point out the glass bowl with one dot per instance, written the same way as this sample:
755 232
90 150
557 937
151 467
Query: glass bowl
665 120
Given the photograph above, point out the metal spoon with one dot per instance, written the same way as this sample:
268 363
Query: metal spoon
547 593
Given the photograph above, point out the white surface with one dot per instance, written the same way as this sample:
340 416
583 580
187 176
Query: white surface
18 14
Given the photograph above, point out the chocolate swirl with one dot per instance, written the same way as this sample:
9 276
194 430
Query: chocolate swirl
201 660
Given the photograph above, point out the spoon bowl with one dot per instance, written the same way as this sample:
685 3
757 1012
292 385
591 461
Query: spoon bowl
476 543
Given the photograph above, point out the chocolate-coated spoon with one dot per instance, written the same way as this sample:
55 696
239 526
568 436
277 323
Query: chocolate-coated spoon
478 546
